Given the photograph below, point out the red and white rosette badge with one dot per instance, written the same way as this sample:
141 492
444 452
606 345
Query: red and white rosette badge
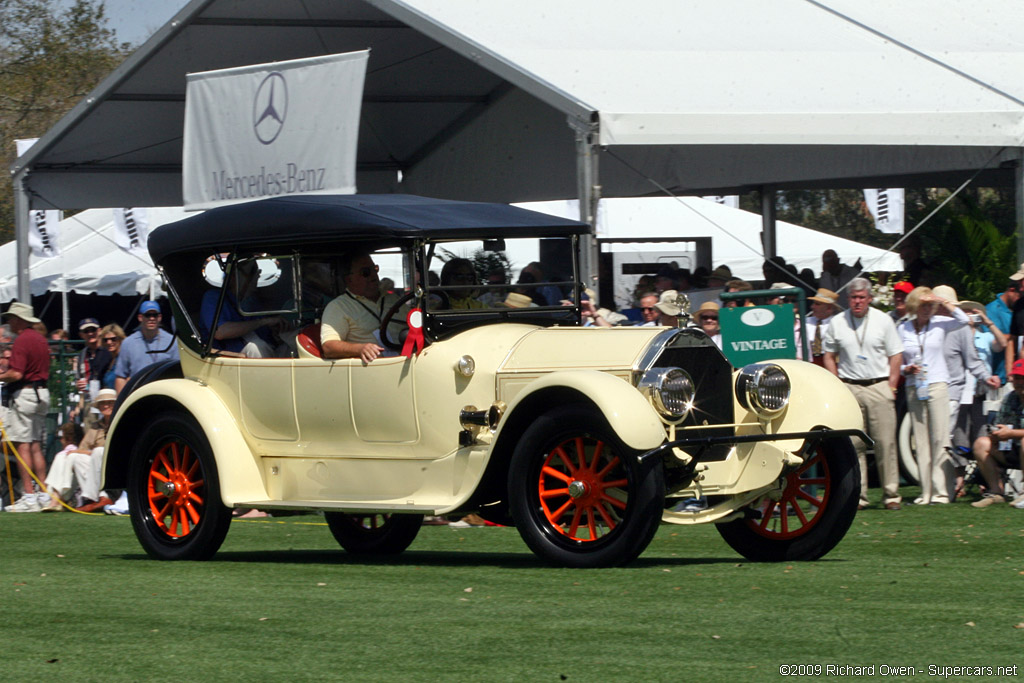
413 342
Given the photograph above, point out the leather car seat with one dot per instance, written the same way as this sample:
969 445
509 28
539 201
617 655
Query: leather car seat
308 342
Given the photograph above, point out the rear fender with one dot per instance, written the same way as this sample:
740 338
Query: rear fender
240 475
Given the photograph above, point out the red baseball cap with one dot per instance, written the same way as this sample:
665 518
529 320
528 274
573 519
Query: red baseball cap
903 286
1018 367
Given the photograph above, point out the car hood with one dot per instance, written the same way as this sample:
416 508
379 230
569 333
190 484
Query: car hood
580 348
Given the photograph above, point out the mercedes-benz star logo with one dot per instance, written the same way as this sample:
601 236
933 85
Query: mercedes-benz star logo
270 107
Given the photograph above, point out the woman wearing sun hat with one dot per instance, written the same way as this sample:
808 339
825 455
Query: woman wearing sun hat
924 367
88 459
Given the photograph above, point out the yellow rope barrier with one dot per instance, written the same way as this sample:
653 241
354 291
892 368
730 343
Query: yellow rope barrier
8 446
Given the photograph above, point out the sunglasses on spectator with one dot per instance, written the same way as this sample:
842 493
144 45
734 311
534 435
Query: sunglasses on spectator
708 317
109 340
151 315
647 308
90 330
368 271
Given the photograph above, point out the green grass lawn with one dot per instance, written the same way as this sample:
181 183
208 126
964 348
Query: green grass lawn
919 587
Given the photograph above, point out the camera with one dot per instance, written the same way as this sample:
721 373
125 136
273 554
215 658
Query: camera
974 318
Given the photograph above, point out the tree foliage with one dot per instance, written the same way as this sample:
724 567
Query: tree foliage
970 241
51 56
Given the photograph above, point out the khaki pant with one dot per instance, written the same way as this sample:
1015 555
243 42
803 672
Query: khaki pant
878 406
931 436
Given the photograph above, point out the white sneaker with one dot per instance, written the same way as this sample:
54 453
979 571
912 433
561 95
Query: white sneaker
121 506
43 499
27 503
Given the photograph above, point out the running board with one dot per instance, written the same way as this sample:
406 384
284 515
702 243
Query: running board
334 506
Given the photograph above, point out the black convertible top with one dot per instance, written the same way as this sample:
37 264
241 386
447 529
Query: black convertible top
312 219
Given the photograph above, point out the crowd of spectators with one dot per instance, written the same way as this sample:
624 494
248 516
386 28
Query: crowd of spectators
84 384
947 357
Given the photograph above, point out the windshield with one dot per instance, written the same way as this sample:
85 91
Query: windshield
501 275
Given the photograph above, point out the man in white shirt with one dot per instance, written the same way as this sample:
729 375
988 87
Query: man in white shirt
350 320
863 349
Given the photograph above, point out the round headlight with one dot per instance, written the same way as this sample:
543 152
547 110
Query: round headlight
670 391
763 388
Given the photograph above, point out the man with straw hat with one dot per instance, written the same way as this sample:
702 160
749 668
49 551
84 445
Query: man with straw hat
27 399
824 305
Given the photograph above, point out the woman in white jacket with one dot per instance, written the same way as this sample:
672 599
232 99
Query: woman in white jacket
924 366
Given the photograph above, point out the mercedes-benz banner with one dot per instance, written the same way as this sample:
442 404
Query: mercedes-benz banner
268 130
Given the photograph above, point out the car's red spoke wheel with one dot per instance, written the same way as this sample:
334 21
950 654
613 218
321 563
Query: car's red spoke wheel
583 488
815 507
803 500
176 490
580 497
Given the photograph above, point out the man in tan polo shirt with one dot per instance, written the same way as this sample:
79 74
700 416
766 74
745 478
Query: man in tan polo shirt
350 320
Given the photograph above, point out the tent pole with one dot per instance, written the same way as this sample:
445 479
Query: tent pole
768 222
21 219
66 314
589 194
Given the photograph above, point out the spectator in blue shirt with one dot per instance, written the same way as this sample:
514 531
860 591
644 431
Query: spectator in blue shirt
248 336
147 345
1000 311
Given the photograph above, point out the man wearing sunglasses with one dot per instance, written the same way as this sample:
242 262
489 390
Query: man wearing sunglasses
648 311
351 319
147 345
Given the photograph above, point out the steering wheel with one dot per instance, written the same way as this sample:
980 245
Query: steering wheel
386 320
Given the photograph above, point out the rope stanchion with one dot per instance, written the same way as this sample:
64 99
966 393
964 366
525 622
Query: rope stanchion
8 446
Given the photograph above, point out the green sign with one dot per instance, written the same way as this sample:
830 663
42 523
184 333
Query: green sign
755 333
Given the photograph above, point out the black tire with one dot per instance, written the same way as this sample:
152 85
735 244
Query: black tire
619 502
373 534
817 507
188 522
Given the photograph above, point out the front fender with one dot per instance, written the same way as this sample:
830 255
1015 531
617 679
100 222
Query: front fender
628 413
817 399
240 475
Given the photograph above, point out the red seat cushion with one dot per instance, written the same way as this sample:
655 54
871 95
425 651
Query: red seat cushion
309 339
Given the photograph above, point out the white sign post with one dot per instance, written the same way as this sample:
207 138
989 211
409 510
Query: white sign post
268 130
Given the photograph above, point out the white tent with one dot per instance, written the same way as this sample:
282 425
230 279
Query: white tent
735 233
497 101
90 259
541 100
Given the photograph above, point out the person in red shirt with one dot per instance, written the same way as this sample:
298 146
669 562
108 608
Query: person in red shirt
27 399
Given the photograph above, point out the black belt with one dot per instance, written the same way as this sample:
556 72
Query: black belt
864 382
35 384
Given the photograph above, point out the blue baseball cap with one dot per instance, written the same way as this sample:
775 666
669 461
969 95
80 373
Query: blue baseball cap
86 323
149 307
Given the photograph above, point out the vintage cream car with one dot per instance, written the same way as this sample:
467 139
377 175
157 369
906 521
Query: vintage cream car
584 438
